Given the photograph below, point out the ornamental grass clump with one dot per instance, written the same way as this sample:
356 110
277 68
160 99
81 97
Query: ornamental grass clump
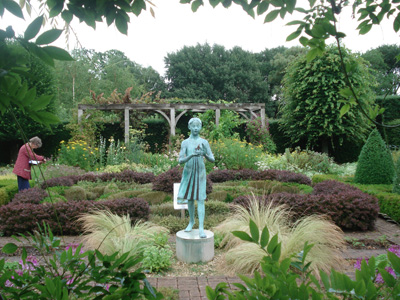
244 257
110 233
375 163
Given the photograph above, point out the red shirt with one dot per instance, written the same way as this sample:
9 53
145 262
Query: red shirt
22 167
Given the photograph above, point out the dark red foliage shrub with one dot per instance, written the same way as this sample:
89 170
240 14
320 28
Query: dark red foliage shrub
32 195
165 181
62 216
350 210
332 187
60 181
247 174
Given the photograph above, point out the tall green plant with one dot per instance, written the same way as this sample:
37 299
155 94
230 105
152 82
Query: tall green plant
396 181
375 163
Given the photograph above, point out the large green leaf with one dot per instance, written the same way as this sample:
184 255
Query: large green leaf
121 23
45 117
262 7
255 233
293 35
41 103
138 6
242 235
196 4
9 248
48 37
58 53
13 8
67 16
33 29
271 16
56 9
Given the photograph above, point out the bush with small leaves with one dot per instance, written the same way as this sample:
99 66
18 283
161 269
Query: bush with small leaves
33 195
165 181
60 181
396 181
62 216
349 209
332 187
75 193
247 174
375 163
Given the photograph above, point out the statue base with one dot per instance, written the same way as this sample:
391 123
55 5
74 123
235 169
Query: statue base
190 248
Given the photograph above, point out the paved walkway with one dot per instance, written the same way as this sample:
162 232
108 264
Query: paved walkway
192 288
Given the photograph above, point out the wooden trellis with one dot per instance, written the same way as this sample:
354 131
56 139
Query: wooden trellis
172 112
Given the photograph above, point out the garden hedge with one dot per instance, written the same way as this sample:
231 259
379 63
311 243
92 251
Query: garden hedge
347 206
22 217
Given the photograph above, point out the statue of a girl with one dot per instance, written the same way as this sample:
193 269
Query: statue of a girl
193 184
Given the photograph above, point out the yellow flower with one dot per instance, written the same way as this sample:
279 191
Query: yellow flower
84 149
62 142
73 148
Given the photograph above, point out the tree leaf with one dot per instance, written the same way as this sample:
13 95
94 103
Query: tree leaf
242 235
214 3
262 7
264 237
9 248
394 260
365 29
67 16
396 23
41 103
33 29
47 118
344 109
293 35
48 37
56 9
138 6
227 3
13 8
271 16
272 244
255 233
121 24
58 53
196 4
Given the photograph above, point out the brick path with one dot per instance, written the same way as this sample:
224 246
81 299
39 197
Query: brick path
192 288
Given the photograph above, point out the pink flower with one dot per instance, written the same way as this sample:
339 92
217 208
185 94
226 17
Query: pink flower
31 263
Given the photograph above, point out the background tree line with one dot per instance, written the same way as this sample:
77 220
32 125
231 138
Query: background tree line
201 72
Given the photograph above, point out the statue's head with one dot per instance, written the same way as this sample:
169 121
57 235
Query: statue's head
193 120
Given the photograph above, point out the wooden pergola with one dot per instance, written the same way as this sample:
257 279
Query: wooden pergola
172 112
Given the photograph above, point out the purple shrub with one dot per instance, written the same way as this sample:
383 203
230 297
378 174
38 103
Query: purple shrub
62 216
332 187
247 174
33 195
350 210
59 181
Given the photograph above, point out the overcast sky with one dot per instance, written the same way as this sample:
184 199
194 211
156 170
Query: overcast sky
150 39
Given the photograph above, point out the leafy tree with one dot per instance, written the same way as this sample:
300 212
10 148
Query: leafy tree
101 73
273 67
214 73
311 103
385 68
375 164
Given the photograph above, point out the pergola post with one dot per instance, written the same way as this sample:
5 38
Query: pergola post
262 113
126 125
217 116
172 123
80 114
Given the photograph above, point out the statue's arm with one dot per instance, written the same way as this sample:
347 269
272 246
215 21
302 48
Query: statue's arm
207 152
183 157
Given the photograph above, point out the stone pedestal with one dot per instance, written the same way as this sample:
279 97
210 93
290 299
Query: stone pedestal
190 248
